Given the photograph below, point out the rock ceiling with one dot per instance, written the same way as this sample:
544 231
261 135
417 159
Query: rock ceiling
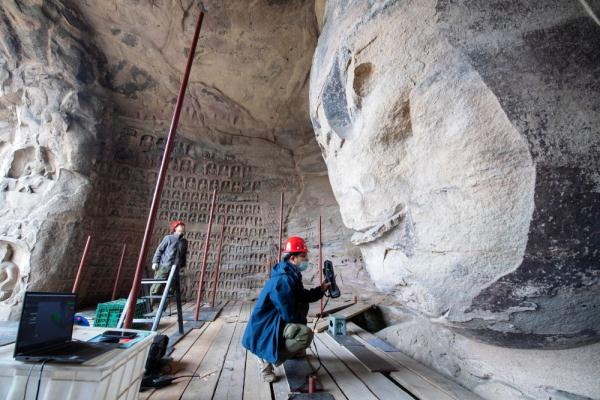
250 73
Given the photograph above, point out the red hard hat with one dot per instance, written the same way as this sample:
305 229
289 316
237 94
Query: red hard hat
295 244
175 224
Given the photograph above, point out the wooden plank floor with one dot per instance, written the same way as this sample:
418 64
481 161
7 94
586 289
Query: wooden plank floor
216 366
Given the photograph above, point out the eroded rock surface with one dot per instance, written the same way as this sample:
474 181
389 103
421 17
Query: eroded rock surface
51 106
462 147
461 141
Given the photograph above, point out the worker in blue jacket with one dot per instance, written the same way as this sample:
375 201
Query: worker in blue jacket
277 327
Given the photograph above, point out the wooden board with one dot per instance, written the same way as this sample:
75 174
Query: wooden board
416 377
366 357
205 314
312 396
381 345
231 382
324 378
177 336
254 387
297 371
246 311
379 384
315 308
183 346
352 387
231 312
188 364
347 313
211 366
281 390
168 325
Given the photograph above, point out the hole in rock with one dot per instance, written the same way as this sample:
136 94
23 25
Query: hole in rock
372 320
363 79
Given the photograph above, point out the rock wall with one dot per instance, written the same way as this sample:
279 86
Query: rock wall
461 141
51 104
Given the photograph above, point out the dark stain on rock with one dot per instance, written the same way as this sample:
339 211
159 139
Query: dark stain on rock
335 103
139 80
520 340
564 241
9 38
280 2
563 249
129 39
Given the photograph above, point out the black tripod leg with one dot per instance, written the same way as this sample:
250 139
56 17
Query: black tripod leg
178 303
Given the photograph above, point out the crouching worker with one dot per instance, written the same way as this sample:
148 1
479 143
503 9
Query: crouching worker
277 327
172 250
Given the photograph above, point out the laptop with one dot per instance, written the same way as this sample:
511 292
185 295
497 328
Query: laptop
46 328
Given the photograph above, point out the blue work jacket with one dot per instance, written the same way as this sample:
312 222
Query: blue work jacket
278 304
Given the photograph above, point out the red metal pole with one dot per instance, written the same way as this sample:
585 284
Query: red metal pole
218 268
164 166
312 383
114 293
205 256
320 262
84 257
280 228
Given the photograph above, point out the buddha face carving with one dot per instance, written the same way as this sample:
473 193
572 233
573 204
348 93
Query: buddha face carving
429 171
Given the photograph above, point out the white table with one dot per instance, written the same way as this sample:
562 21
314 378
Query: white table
115 374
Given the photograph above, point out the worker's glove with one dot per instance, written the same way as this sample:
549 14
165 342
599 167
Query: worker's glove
325 286
154 267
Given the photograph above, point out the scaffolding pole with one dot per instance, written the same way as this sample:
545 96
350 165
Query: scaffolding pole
205 255
280 227
84 257
320 262
116 287
135 286
217 268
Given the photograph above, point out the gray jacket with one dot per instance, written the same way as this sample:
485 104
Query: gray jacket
171 250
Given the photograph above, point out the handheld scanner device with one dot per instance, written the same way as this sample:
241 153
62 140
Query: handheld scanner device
334 291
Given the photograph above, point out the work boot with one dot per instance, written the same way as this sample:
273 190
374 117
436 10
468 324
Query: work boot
266 371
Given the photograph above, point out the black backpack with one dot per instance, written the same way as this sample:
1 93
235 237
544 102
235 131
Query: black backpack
158 349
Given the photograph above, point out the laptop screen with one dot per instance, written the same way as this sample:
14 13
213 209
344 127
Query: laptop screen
46 319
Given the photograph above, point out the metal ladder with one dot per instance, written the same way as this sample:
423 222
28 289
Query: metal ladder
172 279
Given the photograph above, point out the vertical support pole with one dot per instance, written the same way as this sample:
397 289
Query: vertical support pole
114 293
218 268
205 255
84 257
320 262
164 166
280 228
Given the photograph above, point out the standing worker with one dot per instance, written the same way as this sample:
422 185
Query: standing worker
172 250
277 327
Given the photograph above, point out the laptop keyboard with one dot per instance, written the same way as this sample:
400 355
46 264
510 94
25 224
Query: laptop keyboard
71 349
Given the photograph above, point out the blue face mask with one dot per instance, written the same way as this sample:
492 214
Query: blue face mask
303 266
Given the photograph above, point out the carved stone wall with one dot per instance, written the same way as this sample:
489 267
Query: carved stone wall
51 104
245 204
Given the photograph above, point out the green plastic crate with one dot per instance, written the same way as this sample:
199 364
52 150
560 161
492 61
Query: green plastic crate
108 314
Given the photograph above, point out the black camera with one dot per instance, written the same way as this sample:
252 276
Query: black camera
334 291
